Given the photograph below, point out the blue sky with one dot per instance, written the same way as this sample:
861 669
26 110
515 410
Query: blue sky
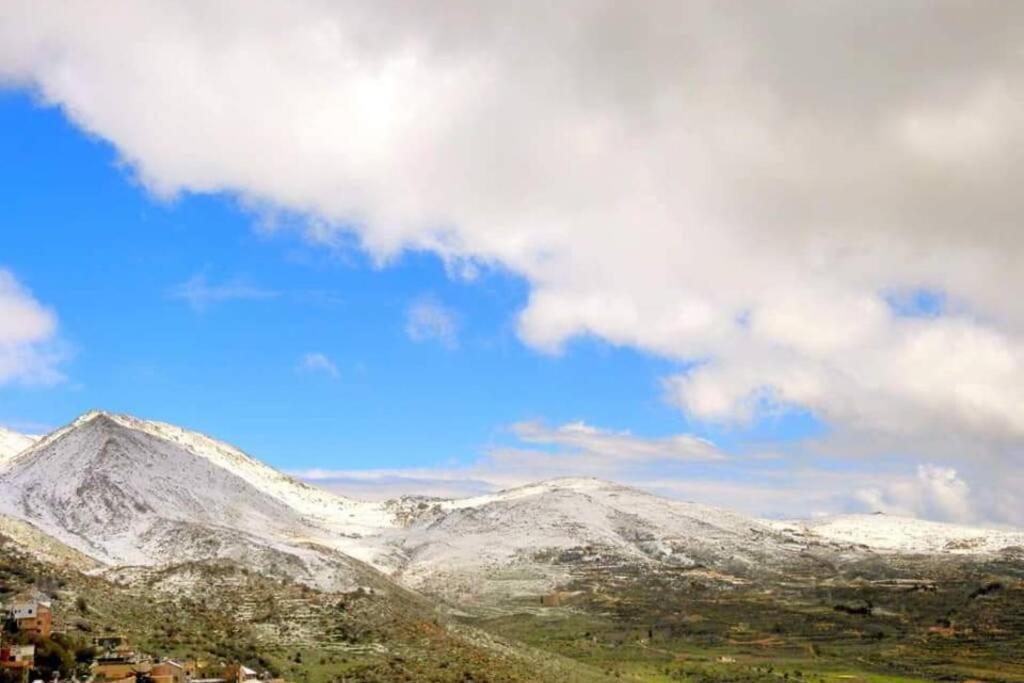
112 261
703 266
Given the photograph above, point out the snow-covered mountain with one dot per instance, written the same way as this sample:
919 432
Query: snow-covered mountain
128 491
531 538
892 534
125 491
12 443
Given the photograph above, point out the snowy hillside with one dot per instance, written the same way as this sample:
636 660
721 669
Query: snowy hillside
527 540
340 514
125 491
12 443
43 546
130 491
904 535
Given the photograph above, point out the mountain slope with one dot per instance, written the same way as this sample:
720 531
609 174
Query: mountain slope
531 539
128 492
902 535
132 492
219 611
12 443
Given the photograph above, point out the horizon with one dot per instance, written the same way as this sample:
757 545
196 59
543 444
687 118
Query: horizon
382 495
569 479
391 250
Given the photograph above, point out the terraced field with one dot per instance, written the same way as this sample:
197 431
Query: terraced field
821 620
874 621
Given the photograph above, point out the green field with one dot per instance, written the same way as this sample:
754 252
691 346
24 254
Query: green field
872 621
908 623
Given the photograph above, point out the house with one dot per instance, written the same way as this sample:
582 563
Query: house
201 670
17 657
168 671
17 660
114 671
33 617
236 673
116 660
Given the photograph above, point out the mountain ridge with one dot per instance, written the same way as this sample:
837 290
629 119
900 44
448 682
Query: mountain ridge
127 491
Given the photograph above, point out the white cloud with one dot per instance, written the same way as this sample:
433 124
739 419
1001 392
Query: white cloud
385 484
319 363
928 491
427 319
29 350
594 443
200 294
575 449
935 493
687 467
736 185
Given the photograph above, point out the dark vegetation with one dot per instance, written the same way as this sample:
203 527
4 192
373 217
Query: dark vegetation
873 620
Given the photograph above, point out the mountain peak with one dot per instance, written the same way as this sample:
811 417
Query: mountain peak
130 485
577 482
90 415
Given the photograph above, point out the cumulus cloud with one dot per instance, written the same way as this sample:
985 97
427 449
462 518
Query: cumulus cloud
200 293
686 467
29 351
935 493
317 362
928 491
734 185
427 319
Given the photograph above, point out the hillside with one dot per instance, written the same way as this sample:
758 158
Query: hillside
221 611
12 443
196 548
127 492
528 540
902 535
124 491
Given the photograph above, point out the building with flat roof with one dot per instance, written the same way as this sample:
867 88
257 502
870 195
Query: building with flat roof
17 659
33 617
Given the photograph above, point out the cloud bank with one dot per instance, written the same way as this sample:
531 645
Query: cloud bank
753 190
687 467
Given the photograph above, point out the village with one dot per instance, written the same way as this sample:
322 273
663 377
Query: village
31 652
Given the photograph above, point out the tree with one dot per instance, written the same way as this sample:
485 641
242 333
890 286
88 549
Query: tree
52 657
